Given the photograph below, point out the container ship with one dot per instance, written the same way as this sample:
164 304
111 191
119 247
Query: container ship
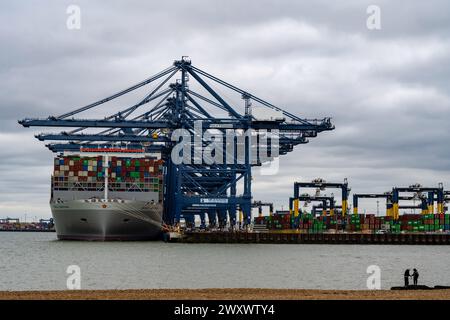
107 194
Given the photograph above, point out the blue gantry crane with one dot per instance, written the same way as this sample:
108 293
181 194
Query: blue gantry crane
200 114
420 190
326 202
320 184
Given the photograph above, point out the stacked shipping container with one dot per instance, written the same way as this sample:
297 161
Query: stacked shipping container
425 223
124 174
357 223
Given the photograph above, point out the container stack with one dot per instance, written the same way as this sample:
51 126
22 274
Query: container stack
275 222
358 223
262 220
124 174
279 222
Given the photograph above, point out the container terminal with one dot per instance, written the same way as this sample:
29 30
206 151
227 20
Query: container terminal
116 177
14 224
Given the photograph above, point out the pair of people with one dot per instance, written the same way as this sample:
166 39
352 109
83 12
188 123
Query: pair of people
414 275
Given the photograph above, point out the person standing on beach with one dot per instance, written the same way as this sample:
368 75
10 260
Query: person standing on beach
415 276
406 277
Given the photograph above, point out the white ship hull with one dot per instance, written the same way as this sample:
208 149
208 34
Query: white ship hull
107 220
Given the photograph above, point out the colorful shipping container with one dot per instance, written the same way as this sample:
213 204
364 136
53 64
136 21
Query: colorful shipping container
357 223
124 174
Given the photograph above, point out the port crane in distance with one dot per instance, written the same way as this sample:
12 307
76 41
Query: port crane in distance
321 184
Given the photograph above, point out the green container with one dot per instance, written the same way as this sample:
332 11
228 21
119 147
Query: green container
134 174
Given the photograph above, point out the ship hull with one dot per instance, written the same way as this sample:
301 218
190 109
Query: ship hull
102 221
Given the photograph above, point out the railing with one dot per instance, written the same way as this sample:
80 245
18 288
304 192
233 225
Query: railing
137 186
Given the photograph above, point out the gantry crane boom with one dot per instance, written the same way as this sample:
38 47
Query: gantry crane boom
189 188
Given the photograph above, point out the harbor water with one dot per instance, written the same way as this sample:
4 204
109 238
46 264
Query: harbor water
37 261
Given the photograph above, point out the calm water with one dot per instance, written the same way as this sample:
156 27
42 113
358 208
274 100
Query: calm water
37 261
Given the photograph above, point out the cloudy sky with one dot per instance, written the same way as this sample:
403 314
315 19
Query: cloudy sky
387 90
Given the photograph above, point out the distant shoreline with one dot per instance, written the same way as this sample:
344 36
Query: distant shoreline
227 294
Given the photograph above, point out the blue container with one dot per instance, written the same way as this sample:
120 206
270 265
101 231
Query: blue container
61 162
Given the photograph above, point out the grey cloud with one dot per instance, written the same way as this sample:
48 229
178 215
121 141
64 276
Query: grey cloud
386 90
